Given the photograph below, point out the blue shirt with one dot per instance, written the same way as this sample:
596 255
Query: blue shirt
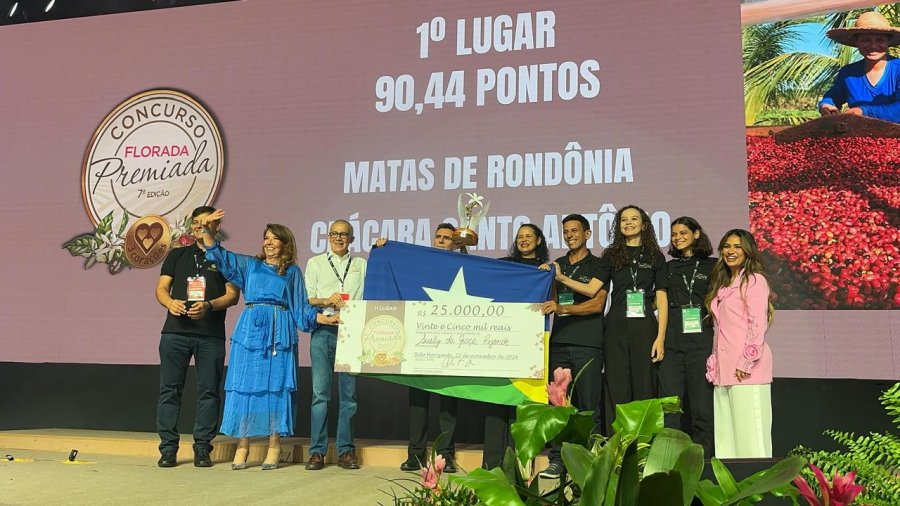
851 87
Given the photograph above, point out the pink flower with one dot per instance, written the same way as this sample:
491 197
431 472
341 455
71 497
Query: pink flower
843 488
841 492
751 352
558 389
432 473
712 369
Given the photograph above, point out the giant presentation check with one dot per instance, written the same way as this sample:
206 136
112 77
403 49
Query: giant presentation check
505 340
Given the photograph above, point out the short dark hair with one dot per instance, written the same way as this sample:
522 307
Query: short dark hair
585 224
202 210
448 226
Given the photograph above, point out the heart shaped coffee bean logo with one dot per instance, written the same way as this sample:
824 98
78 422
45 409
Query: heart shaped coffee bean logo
148 235
147 242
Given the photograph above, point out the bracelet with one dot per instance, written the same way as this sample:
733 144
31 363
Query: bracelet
210 305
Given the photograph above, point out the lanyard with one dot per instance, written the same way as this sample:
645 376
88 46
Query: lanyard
199 263
571 274
346 271
633 268
690 287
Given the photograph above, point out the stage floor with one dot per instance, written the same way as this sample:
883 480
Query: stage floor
120 468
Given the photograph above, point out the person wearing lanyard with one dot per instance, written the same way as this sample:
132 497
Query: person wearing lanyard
196 297
689 333
530 248
332 278
262 368
419 399
576 341
634 341
740 366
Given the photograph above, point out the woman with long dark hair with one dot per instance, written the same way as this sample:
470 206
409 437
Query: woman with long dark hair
740 366
262 369
634 340
689 333
530 248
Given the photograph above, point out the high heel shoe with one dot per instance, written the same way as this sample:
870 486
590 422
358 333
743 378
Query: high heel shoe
239 464
267 465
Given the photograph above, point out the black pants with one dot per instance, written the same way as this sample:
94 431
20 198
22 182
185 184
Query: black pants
175 352
587 393
418 423
497 434
630 375
683 373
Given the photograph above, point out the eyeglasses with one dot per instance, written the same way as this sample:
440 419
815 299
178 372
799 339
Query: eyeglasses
342 235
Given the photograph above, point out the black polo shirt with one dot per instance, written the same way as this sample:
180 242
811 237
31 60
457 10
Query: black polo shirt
680 270
180 264
644 271
578 330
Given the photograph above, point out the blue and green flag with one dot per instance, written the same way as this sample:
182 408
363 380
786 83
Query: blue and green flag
401 271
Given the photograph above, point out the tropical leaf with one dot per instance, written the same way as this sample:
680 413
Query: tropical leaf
491 487
690 466
122 226
80 245
661 489
535 425
667 447
578 461
764 481
105 225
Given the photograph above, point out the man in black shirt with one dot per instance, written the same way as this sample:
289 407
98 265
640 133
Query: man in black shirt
196 296
419 399
576 341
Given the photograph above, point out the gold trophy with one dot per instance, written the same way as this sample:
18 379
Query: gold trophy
470 214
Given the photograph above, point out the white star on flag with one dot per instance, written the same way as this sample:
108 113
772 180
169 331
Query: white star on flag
456 293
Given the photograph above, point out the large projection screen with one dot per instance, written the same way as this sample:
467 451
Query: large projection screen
381 113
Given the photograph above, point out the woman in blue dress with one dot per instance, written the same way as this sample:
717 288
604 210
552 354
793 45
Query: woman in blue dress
262 369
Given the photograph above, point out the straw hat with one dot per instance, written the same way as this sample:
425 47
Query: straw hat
868 22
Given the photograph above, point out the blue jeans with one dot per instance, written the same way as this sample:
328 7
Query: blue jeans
321 352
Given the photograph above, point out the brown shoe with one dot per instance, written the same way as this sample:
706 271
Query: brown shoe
316 461
348 460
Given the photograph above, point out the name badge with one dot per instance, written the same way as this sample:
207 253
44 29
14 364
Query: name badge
196 288
565 298
690 320
634 304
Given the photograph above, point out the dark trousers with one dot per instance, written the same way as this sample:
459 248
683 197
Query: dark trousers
630 375
683 373
418 424
587 393
175 352
497 434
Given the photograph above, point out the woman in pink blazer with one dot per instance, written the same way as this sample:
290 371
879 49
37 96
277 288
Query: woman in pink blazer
740 366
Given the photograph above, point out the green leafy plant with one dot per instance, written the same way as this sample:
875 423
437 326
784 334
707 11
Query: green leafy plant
642 463
875 457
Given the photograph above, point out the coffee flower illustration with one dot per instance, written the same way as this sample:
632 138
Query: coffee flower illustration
102 246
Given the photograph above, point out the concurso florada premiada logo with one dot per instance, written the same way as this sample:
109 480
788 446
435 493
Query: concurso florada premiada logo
155 158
